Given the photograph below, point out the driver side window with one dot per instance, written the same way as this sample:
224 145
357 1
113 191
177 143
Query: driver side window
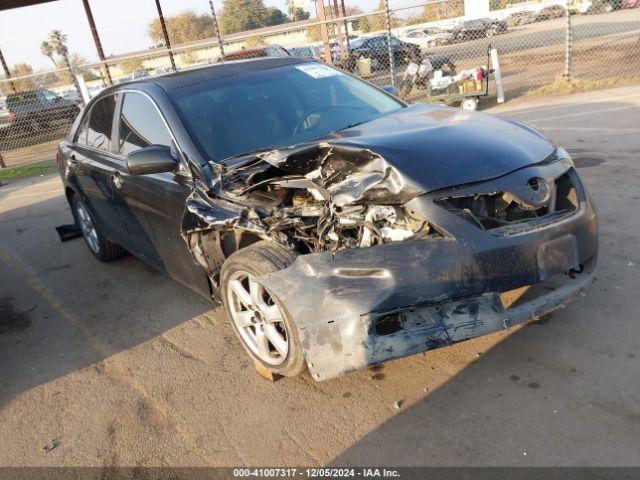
141 125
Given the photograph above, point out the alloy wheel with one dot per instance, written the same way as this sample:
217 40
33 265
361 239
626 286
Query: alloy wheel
258 319
87 227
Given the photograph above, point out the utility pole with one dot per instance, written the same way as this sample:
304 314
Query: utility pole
166 35
96 39
216 28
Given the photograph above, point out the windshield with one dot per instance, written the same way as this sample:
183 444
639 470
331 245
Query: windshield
276 108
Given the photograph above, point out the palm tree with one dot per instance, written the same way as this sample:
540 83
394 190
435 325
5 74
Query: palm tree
58 41
47 50
292 8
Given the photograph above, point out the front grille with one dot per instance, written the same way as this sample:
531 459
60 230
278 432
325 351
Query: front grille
502 212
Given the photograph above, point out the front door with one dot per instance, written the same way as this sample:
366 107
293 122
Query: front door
154 205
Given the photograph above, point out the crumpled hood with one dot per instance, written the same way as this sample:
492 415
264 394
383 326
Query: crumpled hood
438 147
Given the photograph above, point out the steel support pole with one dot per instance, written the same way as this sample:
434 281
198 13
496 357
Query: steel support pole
392 61
167 42
96 40
339 31
7 73
346 27
569 44
324 32
216 28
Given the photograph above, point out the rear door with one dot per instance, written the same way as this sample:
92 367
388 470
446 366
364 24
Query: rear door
97 170
154 205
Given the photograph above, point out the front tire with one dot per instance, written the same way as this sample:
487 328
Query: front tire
99 246
260 320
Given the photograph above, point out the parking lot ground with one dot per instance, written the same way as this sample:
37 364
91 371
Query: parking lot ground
116 365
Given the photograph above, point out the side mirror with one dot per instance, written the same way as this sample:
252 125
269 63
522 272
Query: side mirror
391 90
152 159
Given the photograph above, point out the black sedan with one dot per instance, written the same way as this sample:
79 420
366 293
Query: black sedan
479 28
36 111
376 48
340 227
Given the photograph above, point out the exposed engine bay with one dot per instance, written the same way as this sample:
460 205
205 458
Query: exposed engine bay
351 198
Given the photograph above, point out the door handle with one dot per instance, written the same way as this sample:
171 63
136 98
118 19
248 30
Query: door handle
117 180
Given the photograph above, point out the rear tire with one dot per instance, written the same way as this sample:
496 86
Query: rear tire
256 313
99 246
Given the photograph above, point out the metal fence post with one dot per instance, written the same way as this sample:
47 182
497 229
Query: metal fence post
165 33
216 29
324 31
569 44
392 62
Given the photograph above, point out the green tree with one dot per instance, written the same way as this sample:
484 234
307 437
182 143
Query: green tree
379 22
182 28
296 13
22 84
242 15
275 16
361 24
300 14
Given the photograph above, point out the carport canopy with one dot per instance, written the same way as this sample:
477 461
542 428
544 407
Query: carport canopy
9 4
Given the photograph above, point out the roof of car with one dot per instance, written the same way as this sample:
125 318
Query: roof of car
223 70
210 72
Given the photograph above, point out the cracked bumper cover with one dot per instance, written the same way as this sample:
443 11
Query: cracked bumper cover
438 291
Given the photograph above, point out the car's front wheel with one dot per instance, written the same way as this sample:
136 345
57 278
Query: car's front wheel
260 320
102 249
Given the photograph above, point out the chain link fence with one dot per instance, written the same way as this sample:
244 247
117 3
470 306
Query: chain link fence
437 51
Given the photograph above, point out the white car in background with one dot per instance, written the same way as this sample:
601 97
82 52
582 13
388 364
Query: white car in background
425 37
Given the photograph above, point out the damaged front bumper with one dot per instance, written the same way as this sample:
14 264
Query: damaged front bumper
361 307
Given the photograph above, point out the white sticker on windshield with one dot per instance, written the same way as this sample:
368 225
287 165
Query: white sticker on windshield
317 70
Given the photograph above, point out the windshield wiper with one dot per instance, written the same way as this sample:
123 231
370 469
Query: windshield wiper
351 125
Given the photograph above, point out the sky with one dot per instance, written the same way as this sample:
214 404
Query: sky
122 25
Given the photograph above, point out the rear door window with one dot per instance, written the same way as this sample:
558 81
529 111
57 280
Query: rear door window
141 125
100 124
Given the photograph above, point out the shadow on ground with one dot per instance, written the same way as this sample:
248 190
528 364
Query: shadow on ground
63 312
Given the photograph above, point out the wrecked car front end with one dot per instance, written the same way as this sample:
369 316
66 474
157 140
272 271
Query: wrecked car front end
387 269
361 307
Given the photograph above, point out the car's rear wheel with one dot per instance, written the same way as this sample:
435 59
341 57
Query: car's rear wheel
259 318
100 247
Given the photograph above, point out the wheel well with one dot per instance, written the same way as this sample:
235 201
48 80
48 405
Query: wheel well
231 242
